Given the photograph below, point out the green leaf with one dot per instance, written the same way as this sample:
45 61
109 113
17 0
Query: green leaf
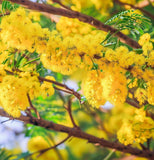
106 38
8 6
22 155
130 20
5 155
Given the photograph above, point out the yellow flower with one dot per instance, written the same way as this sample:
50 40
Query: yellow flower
141 95
47 88
150 90
114 87
34 16
125 134
37 143
93 89
144 38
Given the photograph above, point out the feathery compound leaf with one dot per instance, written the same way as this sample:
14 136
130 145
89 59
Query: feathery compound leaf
7 6
130 20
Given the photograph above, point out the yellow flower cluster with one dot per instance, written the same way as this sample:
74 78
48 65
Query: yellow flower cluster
141 95
146 93
47 88
138 128
37 143
78 4
70 27
118 113
150 92
93 89
125 58
132 83
13 94
2 72
114 85
109 84
17 30
101 6
144 38
128 1
14 90
66 54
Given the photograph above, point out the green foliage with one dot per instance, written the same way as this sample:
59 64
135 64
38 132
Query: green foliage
24 155
5 155
8 6
141 83
92 11
46 22
50 109
130 20
33 131
22 59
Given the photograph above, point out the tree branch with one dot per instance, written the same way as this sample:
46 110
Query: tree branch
134 103
82 17
32 107
69 110
59 2
52 147
75 132
68 90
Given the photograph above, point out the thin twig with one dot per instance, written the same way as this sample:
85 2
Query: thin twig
47 149
4 14
68 90
31 105
58 1
143 147
148 143
133 103
64 90
69 109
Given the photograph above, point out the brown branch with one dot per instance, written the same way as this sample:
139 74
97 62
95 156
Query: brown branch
82 17
53 147
4 14
69 109
47 149
136 7
64 90
75 132
143 147
135 104
32 107
58 1
68 90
